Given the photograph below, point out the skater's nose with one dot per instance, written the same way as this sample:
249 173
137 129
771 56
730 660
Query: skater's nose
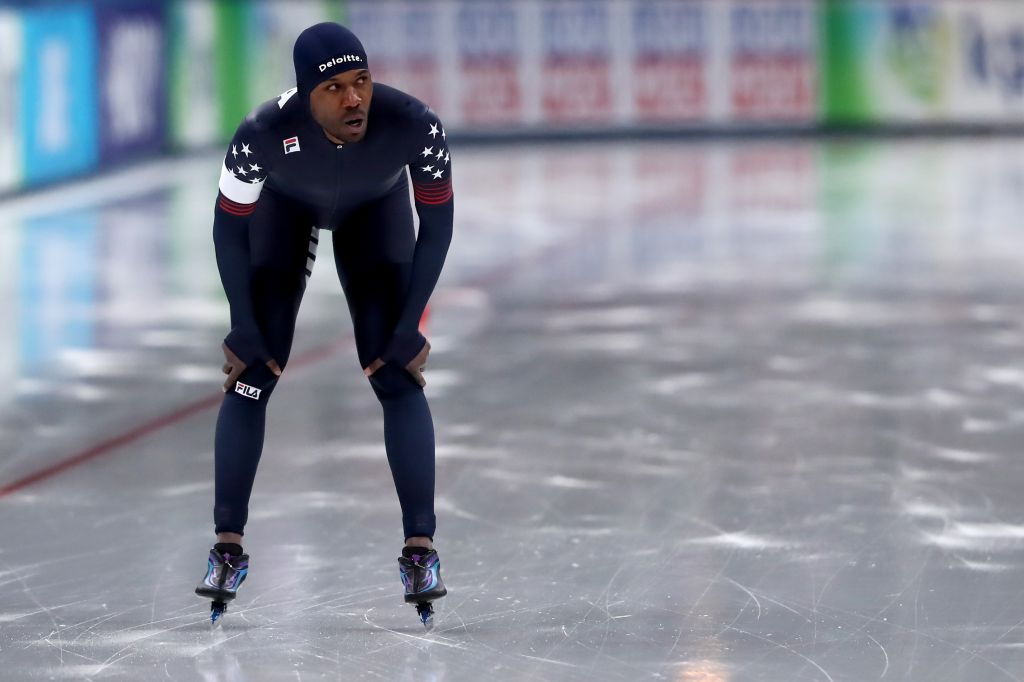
351 98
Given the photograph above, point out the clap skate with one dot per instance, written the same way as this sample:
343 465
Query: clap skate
224 574
420 570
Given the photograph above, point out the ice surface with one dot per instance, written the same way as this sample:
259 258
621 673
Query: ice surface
733 412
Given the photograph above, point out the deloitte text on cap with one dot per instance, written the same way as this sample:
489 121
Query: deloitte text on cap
340 60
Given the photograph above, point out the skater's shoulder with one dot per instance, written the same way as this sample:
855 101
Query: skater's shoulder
273 113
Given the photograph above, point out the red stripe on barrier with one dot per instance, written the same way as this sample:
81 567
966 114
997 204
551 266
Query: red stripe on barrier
106 446
146 428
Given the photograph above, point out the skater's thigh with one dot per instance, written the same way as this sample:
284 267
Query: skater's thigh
373 252
282 239
375 300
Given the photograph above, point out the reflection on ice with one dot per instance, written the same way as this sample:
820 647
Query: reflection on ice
742 540
978 537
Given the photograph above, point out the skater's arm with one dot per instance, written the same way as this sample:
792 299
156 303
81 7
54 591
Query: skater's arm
241 182
431 175
435 235
231 243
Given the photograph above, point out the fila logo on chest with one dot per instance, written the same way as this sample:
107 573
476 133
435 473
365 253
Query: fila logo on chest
291 145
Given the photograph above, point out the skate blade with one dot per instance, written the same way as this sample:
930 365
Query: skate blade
426 612
217 610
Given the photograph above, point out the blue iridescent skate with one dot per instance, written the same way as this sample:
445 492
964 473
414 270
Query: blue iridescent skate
420 570
224 574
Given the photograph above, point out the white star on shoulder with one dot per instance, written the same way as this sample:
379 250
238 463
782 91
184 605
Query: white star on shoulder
245 149
427 168
438 174
443 135
234 150
428 151
433 130
241 169
440 154
447 156
255 167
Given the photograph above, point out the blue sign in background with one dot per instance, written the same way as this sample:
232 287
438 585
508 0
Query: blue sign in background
58 98
132 79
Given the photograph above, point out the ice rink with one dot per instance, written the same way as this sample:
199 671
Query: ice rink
706 412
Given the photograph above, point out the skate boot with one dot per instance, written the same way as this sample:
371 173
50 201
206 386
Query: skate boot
420 569
224 574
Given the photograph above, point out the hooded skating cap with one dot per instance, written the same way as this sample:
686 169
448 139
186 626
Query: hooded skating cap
323 50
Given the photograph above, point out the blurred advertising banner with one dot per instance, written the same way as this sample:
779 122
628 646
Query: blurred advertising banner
10 114
941 61
488 65
210 70
403 41
988 75
270 29
887 61
773 60
193 97
102 81
670 60
58 111
132 77
576 62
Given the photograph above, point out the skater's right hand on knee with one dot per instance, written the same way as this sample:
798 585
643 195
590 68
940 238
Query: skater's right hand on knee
416 365
374 366
233 367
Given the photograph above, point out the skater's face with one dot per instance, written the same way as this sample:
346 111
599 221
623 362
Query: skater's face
341 105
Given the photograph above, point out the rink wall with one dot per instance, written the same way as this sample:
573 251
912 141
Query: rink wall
99 83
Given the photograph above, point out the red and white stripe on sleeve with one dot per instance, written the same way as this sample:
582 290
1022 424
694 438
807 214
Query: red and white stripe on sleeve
241 180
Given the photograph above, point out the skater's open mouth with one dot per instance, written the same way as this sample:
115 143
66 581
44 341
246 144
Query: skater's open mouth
356 123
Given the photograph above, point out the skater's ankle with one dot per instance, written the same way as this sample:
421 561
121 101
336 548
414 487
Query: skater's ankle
229 548
423 542
229 543
233 538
